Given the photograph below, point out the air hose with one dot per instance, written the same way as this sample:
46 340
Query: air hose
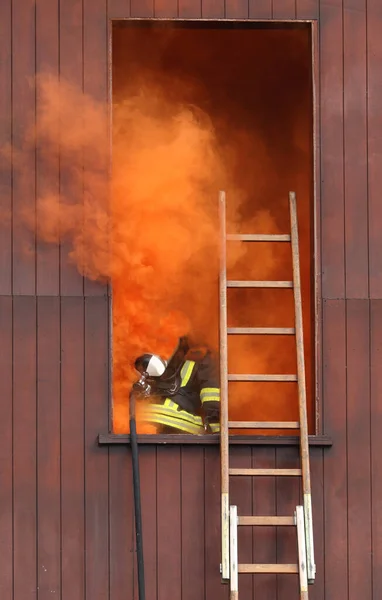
137 499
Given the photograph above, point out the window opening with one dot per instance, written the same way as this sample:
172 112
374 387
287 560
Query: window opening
199 107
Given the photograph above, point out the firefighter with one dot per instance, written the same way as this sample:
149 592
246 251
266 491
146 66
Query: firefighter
181 395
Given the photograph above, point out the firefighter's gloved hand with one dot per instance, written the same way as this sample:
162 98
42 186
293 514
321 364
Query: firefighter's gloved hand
207 428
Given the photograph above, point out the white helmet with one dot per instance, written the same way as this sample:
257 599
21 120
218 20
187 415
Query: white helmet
151 364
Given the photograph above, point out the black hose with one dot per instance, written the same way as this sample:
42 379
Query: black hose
137 500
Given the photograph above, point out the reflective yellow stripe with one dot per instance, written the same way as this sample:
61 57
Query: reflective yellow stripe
210 399
214 390
169 403
186 372
171 421
215 427
154 409
210 395
181 426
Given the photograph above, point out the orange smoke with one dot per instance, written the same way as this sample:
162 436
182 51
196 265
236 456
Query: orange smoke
153 233
148 225
164 235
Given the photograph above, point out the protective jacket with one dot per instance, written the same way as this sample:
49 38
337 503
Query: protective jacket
195 406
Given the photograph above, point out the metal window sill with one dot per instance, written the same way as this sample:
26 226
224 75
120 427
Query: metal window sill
248 440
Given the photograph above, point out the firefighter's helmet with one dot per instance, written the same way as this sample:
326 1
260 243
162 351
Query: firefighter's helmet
151 364
159 376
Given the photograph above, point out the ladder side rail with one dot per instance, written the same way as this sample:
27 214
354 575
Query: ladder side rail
234 560
301 549
304 443
224 441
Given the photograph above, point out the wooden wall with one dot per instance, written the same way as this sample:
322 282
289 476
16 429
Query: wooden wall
65 502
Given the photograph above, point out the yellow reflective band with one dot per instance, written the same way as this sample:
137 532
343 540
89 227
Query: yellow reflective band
153 409
187 427
214 390
169 403
186 372
210 399
210 395
175 423
215 427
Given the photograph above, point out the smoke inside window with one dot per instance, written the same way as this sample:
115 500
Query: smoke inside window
197 109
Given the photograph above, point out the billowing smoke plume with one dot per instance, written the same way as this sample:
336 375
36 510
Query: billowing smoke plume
151 231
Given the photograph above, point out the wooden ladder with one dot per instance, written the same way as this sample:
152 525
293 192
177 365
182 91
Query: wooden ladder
302 517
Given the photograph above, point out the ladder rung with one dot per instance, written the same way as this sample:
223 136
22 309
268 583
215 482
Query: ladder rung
261 330
258 237
247 283
268 568
262 377
266 521
263 425
277 472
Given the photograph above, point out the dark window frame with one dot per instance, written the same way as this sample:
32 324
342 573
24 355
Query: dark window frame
318 438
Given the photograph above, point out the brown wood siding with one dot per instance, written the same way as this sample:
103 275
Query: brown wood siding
47 59
6 137
71 66
66 506
376 450
72 449
374 143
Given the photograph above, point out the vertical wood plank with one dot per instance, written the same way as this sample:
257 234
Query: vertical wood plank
6 140
260 9
307 9
71 72
332 149
335 467
48 448
376 443
121 524
118 9
142 8
149 488
358 447
169 523
96 458
212 541
24 448
6 445
241 496
72 448
236 9
284 9
96 86
189 9
212 9
317 591
264 538
374 121
47 169
166 9
23 107
288 496
355 150
192 522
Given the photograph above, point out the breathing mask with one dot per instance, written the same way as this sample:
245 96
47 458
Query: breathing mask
158 376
